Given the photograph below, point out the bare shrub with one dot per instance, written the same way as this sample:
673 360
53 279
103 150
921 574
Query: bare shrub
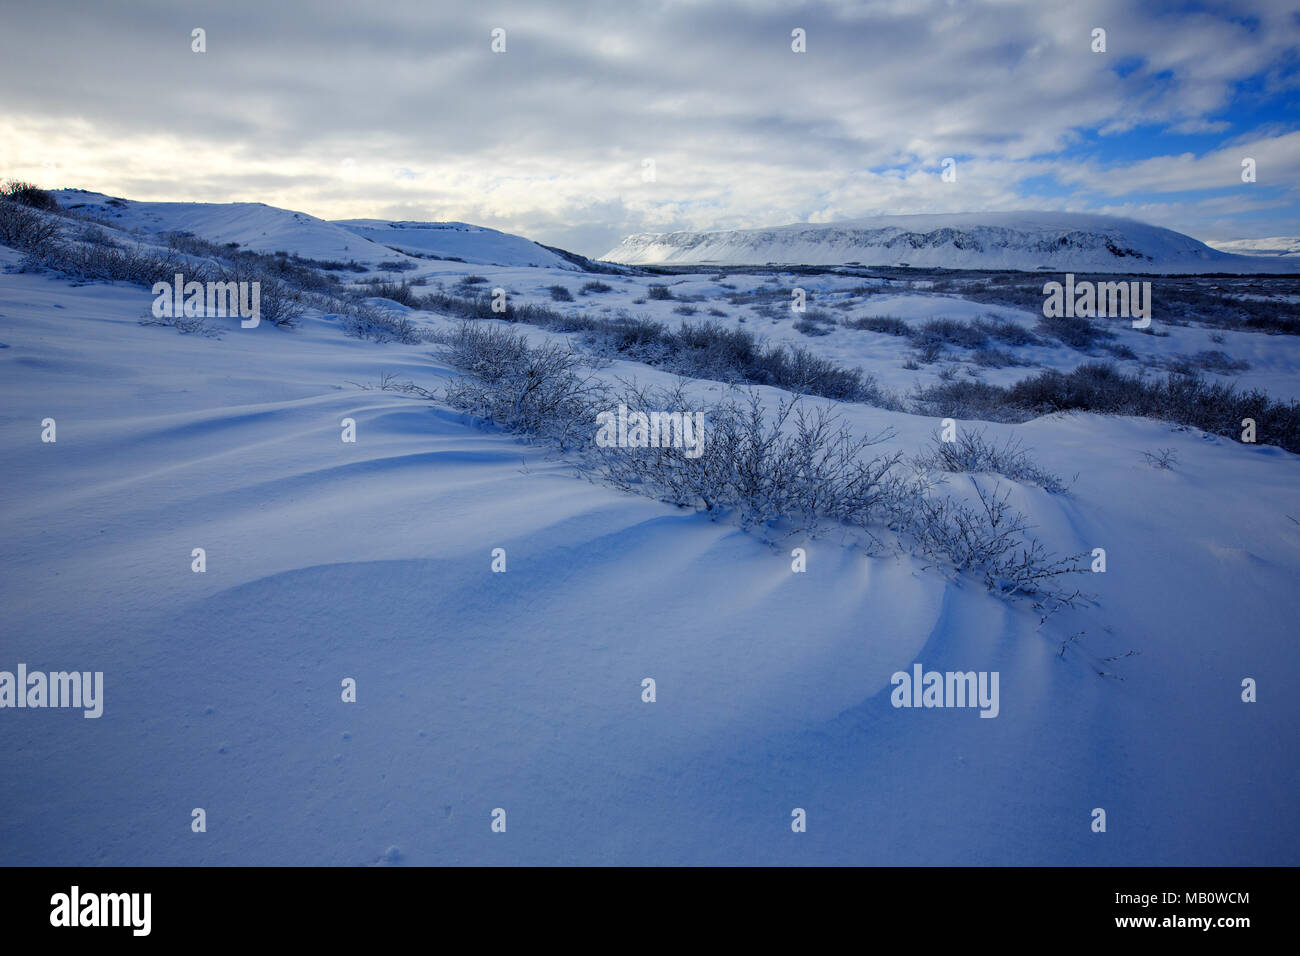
543 393
400 292
280 303
1007 333
26 228
1163 459
29 195
795 469
973 453
1212 360
186 325
948 332
888 324
1218 408
365 321
815 322
798 466
141 265
1078 333
992 541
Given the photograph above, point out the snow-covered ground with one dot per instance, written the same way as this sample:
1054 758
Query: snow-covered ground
1273 361
523 690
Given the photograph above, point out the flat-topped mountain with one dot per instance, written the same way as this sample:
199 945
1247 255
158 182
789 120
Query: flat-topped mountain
1026 241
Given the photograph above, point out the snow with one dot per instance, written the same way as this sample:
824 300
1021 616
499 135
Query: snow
522 690
1076 242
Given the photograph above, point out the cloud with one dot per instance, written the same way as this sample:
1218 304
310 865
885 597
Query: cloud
356 109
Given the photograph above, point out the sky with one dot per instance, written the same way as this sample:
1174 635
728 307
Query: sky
605 118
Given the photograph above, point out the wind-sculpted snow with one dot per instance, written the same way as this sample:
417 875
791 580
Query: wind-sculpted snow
475 690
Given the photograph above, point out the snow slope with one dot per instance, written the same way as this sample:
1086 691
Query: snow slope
522 690
473 244
1061 242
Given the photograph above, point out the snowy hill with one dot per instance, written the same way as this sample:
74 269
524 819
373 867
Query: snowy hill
446 240
1275 246
1060 242
258 227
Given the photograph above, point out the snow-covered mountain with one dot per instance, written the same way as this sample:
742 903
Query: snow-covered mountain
1024 241
1274 246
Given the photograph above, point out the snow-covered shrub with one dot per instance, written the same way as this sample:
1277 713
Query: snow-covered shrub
105 260
791 468
281 303
972 453
991 540
798 466
28 229
543 392
365 321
